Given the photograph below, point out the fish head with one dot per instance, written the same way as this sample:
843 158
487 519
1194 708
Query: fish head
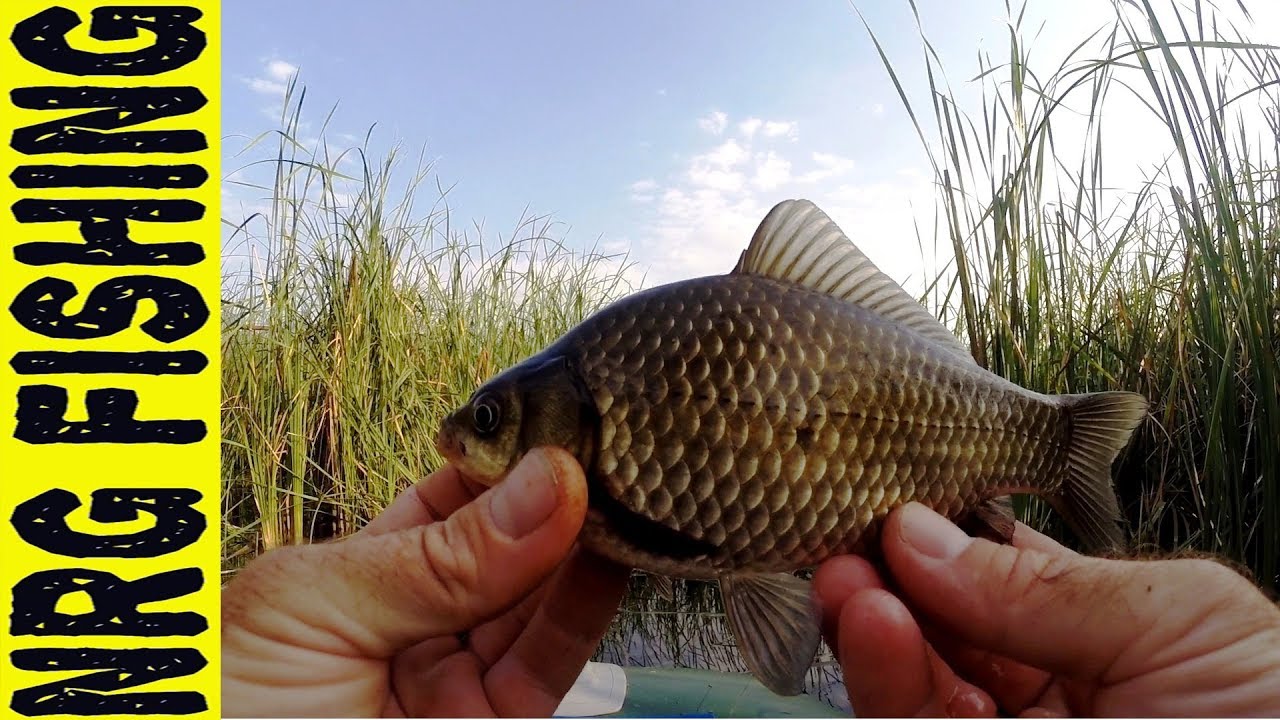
540 402
482 437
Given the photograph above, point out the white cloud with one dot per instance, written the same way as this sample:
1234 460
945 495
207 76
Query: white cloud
716 169
727 154
697 231
769 128
281 70
772 170
828 166
708 177
265 86
704 214
714 123
642 190
779 128
274 79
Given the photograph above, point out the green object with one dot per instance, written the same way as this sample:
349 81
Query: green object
683 692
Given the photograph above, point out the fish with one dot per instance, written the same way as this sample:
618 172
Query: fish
742 427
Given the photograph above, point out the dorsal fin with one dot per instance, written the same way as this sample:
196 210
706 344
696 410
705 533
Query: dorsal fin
796 242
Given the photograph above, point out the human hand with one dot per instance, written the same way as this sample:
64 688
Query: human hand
972 628
451 602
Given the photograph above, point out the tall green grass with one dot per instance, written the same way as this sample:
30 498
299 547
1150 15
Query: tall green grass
1170 288
363 323
364 318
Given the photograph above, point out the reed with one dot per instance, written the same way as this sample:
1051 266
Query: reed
1170 287
364 322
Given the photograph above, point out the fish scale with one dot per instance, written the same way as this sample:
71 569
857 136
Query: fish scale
743 426
876 417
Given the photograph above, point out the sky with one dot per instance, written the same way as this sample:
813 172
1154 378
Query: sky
665 128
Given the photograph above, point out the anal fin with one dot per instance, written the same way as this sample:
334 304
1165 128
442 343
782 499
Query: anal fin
776 622
992 519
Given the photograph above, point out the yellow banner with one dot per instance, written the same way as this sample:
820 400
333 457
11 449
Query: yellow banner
109 435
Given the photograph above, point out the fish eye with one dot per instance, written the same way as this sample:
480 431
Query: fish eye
485 414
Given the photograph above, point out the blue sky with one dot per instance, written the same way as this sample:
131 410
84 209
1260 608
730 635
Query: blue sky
664 127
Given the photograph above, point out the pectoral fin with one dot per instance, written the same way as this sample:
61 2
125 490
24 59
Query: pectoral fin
776 621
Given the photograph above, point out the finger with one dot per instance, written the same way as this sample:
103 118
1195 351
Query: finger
433 499
1039 712
444 687
420 657
492 639
427 581
417 659
415 667
1055 703
1013 685
547 657
837 580
1066 613
889 669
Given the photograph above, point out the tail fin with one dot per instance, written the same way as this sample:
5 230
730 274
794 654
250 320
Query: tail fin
1101 425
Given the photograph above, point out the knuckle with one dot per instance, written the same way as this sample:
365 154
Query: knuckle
1224 589
1023 576
1217 576
449 557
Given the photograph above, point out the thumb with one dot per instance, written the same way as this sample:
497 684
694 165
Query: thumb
1063 612
379 594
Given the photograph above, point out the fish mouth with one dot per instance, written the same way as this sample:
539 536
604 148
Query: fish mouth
452 445
448 444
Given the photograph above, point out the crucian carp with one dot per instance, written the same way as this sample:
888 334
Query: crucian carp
740 427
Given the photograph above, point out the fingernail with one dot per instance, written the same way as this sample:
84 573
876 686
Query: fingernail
930 534
526 498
